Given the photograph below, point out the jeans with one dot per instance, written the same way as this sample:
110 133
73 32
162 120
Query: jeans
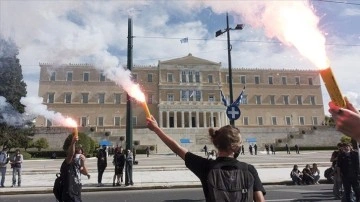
128 174
18 172
101 170
3 173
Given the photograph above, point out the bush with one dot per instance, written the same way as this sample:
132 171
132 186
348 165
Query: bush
46 154
26 155
86 143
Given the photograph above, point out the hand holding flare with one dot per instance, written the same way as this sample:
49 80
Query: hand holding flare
146 108
332 87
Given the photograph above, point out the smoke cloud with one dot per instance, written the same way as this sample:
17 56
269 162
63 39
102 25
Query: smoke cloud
11 116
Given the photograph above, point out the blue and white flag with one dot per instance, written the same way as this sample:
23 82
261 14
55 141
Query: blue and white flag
184 40
238 100
223 99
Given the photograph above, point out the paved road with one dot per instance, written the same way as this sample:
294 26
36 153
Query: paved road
275 193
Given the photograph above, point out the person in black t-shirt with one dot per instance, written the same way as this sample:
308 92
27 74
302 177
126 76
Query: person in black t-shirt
227 141
101 164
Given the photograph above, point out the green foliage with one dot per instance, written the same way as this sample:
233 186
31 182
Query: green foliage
47 154
26 155
85 142
41 143
345 139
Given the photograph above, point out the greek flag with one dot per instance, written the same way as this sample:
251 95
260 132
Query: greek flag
238 100
184 40
223 99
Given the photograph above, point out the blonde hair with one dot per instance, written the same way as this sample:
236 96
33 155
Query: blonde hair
225 138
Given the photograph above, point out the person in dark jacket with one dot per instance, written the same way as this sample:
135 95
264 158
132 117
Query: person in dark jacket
101 164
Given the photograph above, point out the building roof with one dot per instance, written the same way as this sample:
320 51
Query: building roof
188 60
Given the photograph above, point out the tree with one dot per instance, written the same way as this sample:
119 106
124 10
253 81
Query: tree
12 88
85 142
41 143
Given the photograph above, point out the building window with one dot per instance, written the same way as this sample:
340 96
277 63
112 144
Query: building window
312 100
170 78
67 98
134 121
297 80
286 99
117 98
315 121
83 121
260 121
86 76
183 76
311 81
85 98
48 123
197 77
244 99
53 76
184 95
284 80
69 76
150 78
100 121
210 78
243 79
211 98
257 79
116 121
191 79
288 120
51 98
272 99
258 99
271 80
246 121
273 121
150 98
101 98
302 120
198 95
102 76
299 100
170 97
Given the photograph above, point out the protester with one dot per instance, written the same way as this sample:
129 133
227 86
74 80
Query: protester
347 119
71 170
4 159
296 175
348 163
101 164
336 171
128 168
16 162
227 141
119 163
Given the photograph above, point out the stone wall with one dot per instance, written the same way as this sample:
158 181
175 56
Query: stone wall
198 137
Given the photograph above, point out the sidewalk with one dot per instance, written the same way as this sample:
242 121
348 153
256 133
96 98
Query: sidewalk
151 177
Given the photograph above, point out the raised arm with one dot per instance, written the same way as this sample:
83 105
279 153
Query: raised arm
171 143
71 149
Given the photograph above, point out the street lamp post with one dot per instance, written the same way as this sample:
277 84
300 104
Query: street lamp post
229 47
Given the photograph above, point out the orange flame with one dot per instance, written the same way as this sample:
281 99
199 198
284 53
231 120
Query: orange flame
136 93
69 122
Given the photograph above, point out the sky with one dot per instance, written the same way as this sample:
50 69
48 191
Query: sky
84 31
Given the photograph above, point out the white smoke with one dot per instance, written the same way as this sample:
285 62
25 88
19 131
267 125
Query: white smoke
10 116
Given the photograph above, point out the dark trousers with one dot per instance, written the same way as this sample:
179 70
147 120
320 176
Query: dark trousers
349 182
128 174
101 170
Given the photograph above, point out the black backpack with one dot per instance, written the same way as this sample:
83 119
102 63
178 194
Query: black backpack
65 178
59 183
230 181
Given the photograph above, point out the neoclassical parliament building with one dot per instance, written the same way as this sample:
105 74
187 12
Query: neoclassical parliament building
184 94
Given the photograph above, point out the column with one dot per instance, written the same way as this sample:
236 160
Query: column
219 119
167 119
175 119
204 114
182 119
161 118
212 119
197 119
190 125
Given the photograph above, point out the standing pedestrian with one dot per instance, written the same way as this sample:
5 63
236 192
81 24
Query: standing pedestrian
255 149
287 148
101 164
4 159
250 149
272 148
119 163
134 154
205 150
227 141
16 162
128 168
267 149
297 149
242 150
147 151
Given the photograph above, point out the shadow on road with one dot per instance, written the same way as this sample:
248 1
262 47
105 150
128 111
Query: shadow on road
320 195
